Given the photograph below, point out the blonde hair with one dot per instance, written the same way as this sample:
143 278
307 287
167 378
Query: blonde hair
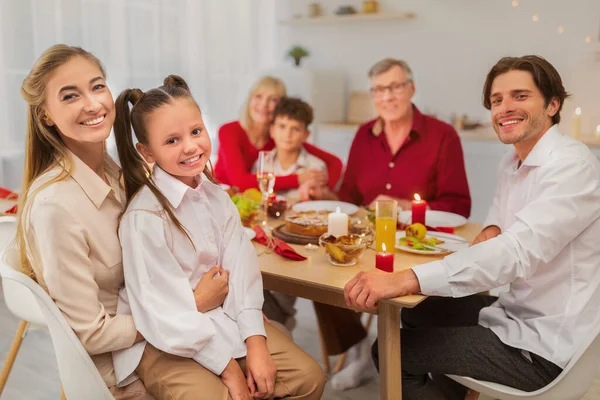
266 82
44 148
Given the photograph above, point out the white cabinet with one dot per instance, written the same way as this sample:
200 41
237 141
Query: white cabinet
324 90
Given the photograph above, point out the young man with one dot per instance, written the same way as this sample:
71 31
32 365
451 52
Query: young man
540 236
289 131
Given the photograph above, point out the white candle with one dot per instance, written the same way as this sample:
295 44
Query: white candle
337 223
576 123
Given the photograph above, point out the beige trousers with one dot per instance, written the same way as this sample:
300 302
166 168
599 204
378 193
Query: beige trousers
169 377
133 391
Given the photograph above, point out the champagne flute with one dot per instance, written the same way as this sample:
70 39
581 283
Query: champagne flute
266 181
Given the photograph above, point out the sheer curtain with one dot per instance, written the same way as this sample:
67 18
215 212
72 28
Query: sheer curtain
218 46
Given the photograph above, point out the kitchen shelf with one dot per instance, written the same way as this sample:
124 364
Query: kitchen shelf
339 19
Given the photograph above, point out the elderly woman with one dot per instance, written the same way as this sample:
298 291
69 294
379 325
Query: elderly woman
240 141
406 152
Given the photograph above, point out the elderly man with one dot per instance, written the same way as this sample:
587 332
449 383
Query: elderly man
403 152
398 154
541 236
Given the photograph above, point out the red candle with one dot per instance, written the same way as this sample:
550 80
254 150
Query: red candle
384 260
418 210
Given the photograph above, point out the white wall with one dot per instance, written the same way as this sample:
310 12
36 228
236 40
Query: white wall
216 45
451 45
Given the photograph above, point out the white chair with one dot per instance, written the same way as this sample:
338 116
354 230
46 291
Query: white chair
27 300
571 384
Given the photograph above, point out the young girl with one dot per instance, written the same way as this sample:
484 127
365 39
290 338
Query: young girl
177 226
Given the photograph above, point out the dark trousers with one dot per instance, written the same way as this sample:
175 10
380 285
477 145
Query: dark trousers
441 336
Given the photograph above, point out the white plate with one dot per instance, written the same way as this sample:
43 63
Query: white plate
325 205
451 243
250 232
435 218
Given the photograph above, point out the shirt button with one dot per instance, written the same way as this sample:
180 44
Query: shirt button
391 164
196 199
388 186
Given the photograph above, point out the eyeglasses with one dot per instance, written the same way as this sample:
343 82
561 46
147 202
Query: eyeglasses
395 88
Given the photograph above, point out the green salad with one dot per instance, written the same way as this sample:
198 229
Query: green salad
245 206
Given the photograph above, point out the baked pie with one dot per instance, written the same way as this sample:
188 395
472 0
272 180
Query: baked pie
308 223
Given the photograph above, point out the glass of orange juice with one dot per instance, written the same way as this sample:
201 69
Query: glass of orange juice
385 224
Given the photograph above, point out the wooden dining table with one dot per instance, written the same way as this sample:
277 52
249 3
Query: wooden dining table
318 280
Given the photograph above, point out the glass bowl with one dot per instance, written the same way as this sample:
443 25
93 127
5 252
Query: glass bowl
345 250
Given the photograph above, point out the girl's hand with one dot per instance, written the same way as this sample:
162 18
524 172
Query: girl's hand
211 291
260 368
233 378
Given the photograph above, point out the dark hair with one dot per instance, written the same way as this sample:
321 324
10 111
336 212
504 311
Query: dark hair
545 76
295 109
136 172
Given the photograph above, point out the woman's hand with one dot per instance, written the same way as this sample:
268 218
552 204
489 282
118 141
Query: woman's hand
212 290
233 378
260 368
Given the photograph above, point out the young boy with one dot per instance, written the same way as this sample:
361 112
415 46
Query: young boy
289 131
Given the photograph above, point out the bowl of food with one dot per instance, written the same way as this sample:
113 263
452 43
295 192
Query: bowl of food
345 250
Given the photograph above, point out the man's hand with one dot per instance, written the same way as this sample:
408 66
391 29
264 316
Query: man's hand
260 368
212 290
403 204
489 232
320 177
366 289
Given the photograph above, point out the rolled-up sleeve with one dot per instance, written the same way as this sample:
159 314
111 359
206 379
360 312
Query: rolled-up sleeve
62 252
564 205
245 299
161 299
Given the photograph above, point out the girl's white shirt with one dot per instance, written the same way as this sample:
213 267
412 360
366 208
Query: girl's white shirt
162 268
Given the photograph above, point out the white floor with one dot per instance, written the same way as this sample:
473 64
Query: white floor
35 375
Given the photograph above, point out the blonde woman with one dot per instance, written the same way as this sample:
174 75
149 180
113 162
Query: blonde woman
240 141
71 203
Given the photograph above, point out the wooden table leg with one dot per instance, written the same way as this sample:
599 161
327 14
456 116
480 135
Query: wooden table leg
390 371
12 354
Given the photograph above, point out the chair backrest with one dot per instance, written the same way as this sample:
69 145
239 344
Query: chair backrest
78 374
8 227
575 380
572 383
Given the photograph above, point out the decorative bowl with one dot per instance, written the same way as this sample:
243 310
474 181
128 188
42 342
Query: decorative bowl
345 250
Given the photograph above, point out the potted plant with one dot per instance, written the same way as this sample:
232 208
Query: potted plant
297 52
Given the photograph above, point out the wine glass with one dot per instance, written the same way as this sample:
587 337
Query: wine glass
266 181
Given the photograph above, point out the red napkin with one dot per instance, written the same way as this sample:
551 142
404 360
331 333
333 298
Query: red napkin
281 247
8 194
12 210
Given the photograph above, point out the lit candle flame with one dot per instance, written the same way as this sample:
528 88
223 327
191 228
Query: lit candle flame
417 197
383 247
578 111
337 210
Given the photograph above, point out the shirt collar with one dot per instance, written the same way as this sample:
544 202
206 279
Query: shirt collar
301 162
172 188
417 128
93 185
543 148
